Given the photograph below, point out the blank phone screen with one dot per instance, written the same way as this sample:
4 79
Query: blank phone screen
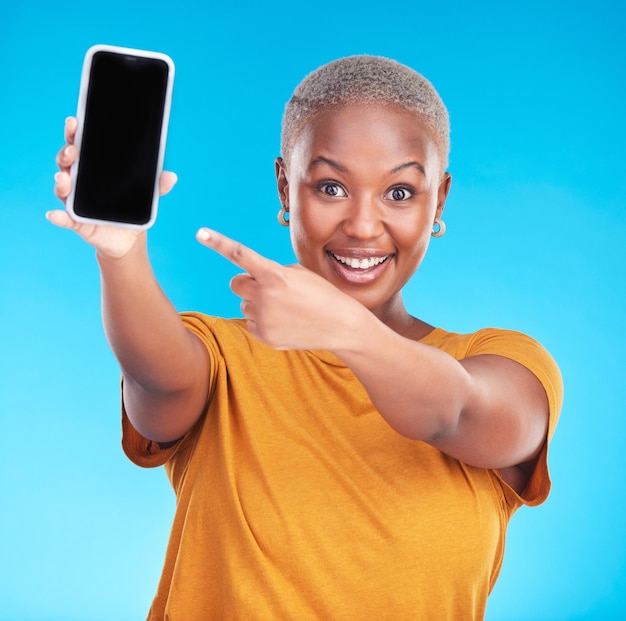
121 136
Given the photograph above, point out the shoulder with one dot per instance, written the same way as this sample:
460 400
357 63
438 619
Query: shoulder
215 332
485 340
202 323
495 341
229 342
510 344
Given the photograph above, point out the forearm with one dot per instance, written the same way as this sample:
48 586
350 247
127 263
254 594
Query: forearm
420 390
487 411
143 329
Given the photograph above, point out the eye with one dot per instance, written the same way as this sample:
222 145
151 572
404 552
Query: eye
332 189
400 193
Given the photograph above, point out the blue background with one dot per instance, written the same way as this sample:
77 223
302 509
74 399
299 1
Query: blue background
535 242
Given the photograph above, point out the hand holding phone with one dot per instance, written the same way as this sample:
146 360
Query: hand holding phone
110 241
123 113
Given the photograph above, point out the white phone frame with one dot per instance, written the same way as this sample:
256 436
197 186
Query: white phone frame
80 115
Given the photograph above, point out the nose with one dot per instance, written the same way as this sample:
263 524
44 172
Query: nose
363 219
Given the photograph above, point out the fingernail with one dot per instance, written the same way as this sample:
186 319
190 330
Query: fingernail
203 235
67 150
56 177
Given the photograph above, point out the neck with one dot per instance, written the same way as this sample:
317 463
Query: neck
394 315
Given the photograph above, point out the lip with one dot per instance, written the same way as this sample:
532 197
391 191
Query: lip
379 261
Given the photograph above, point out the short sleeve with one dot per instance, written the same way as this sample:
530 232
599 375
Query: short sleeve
147 453
141 451
532 355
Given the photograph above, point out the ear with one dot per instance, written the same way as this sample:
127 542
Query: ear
282 182
442 193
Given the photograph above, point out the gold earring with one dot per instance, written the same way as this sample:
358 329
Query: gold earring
441 228
283 217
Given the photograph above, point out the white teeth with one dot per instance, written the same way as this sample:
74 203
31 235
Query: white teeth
361 264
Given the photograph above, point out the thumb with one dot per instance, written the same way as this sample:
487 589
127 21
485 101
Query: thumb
61 218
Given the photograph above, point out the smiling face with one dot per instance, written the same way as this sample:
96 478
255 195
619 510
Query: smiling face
363 186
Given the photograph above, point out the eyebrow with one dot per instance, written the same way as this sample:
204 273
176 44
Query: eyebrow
324 160
408 165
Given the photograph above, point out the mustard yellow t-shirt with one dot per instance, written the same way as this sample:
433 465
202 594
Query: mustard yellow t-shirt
296 501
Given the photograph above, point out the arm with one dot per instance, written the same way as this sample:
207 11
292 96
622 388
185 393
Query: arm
487 411
165 367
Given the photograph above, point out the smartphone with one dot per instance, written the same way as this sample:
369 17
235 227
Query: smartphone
123 112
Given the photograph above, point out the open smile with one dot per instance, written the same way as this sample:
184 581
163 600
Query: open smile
359 270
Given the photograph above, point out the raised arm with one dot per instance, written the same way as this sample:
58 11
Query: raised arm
165 367
487 411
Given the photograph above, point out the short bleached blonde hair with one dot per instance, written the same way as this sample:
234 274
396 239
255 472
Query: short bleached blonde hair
366 79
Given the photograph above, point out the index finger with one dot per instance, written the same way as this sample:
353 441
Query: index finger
247 259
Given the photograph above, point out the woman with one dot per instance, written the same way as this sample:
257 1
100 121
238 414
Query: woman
333 457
